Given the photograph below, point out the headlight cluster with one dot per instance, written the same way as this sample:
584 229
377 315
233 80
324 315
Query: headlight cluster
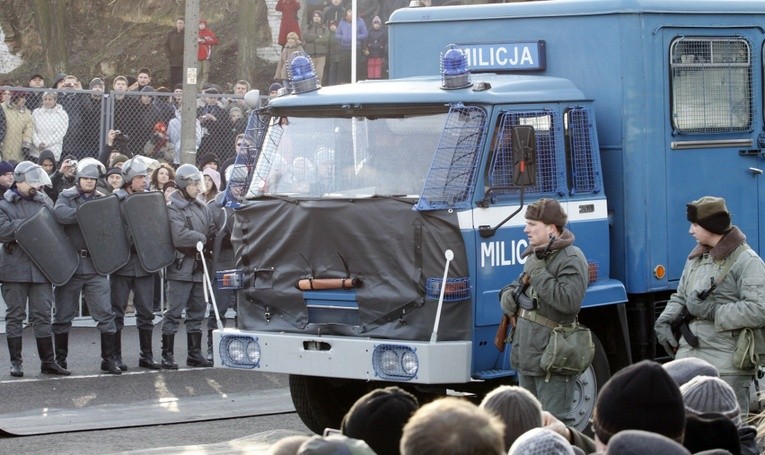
239 351
395 362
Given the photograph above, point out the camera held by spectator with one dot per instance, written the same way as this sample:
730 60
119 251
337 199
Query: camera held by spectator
119 136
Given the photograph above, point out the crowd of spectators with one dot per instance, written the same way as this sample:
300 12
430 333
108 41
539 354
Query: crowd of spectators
681 407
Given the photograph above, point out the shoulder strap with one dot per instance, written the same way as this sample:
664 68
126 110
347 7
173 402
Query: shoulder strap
729 261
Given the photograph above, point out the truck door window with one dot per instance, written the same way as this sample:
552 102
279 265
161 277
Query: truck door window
711 84
550 179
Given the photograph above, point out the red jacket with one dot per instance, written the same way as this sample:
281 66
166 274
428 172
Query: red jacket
205 49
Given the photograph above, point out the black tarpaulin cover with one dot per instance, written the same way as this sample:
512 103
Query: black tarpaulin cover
392 247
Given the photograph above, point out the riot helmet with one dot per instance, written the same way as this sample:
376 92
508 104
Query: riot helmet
89 168
32 174
186 175
133 168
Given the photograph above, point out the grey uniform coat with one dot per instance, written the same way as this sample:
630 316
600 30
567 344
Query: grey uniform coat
190 222
740 296
65 211
559 288
15 265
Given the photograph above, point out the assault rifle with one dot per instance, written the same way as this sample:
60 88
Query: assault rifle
680 327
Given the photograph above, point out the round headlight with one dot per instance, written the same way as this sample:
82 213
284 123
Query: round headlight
253 352
389 362
409 363
236 351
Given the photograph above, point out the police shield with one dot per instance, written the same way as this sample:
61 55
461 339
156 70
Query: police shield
46 243
149 224
104 232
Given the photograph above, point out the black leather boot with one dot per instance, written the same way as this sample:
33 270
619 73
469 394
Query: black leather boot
168 360
61 341
210 345
194 347
48 364
146 358
14 349
118 350
108 363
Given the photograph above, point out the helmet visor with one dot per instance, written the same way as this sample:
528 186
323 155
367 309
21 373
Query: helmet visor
37 177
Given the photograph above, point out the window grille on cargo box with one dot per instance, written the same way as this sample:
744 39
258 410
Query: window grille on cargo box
452 174
550 172
583 152
711 85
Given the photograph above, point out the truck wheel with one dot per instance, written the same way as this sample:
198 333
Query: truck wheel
322 402
587 386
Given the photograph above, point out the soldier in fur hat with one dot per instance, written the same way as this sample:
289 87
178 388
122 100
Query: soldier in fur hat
721 287
555 277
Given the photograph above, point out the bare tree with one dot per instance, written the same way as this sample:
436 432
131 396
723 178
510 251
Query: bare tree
51 20
253 31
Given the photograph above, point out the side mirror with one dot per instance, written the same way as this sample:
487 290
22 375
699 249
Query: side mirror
524 156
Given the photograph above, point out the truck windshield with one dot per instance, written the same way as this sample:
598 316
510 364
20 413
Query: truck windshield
346 157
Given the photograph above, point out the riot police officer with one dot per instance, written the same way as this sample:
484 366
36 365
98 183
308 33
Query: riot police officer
94 286
22 280
190 222
134 277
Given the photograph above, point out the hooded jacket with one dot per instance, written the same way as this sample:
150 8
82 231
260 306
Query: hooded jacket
740 296
51 126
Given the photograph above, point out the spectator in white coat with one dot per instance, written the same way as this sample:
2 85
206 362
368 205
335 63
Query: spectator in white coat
51 124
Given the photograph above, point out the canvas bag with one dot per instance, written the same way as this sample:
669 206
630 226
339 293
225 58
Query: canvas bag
569 351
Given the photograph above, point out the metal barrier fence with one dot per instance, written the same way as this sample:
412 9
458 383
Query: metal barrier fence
77 122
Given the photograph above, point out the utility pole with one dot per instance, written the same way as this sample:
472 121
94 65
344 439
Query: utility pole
189 106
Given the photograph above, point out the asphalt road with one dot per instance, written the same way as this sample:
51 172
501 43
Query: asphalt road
142 410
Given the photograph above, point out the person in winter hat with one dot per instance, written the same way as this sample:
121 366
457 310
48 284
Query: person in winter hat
638 442
378 418
683 370
720 289
518 409
641 396
554 280
541 441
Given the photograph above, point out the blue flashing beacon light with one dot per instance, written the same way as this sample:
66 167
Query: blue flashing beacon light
455 72
302 74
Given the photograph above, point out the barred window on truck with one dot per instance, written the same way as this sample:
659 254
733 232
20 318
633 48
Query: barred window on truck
711 83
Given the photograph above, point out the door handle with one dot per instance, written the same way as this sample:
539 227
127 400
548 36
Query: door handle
755 171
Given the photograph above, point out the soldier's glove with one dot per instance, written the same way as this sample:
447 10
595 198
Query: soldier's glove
666 338
702 309
534 265
506 300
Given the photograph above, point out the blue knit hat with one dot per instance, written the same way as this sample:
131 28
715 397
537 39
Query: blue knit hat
5 167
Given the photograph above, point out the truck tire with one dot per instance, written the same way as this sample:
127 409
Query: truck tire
322 402
588 385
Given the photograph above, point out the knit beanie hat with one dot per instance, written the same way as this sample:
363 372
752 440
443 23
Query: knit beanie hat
334 445
641 396
207 158
711 213
685 369
378 418
541 441
548 211
709 394
120 158
5 167
710 431
148 88
376 20
518 408
639 442
96 81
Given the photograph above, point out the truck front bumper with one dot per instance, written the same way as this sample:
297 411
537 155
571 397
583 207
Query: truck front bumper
369 359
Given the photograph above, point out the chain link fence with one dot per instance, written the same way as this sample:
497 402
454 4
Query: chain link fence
77 122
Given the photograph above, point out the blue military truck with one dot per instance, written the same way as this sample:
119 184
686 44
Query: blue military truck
382 218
